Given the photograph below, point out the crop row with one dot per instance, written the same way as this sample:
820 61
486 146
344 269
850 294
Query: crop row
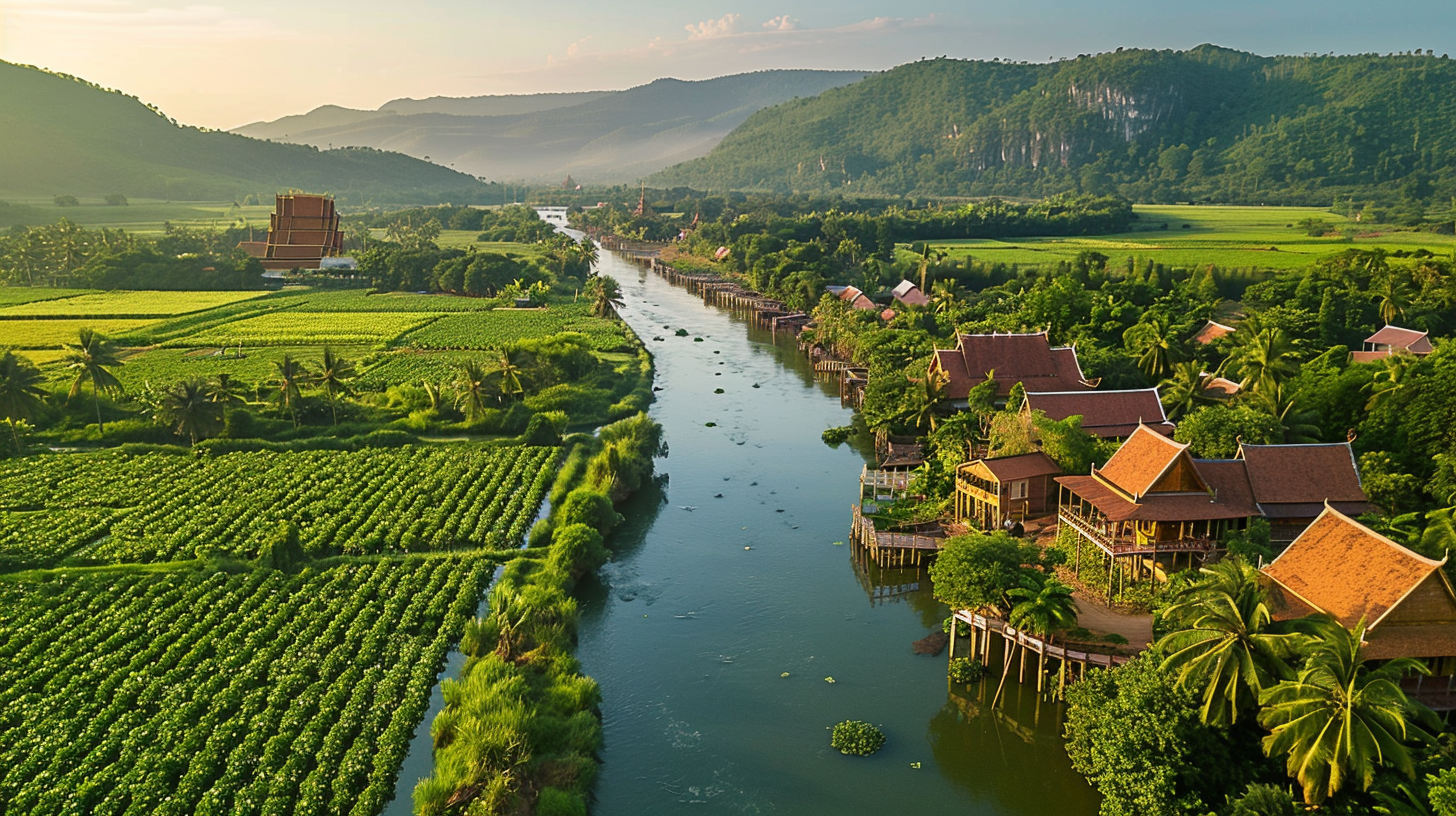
352 502
504 327
293 327
40 538
260 692
127 304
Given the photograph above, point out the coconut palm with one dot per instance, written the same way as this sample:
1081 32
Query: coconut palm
472 389
1340 720
21 394
1394 373
1186 389
946 296
1392 291
586 253
1266 358
225 390
333 377
1043 609
509 374
1300 425
288 385
1156 343
606 295
190 408
921 408
92 358
1226 645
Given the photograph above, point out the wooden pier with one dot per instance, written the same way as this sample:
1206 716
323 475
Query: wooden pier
892 549
1072 663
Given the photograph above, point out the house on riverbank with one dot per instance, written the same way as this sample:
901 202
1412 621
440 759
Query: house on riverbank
1009 359
989 492
1293 484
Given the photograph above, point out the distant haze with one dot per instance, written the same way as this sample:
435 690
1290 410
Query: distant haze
594 137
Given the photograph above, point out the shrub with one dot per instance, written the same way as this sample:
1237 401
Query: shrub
966 670
837 436
590 507
541 431
557 802
577 548
857 737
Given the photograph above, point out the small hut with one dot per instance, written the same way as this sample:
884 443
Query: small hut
990 492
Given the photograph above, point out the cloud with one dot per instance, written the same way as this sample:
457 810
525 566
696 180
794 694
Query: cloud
708 29
780 23
575 48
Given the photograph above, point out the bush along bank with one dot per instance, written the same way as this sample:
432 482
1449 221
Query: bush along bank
521 728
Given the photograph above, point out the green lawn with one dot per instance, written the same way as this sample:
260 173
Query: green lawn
1229 237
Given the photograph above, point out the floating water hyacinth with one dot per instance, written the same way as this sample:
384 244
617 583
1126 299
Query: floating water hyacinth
829 679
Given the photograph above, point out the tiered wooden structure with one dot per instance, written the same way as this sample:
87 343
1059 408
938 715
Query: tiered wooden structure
303 230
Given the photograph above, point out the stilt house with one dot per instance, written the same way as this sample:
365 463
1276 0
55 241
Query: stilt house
991 491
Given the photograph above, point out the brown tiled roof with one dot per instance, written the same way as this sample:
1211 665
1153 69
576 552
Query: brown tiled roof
1342 567
1368 356
958 382
1104 413
1143 458
1230 498
1302 474
1025 466
1223 386
1432 640
1025 358
1211 331
909 294
1399 338
1309 510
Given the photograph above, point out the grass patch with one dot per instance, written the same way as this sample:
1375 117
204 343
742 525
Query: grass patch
53 334
126 304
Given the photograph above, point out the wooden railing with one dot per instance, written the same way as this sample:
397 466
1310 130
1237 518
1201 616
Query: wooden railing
1038 644
1091 529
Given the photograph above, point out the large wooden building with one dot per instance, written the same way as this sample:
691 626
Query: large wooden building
1293 483
1105 414
1344 569
990 492
1028 359
303 230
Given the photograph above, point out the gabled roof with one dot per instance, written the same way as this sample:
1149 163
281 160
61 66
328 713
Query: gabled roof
1344 568
854 297
1014 468
1025 358
1396 337
1211 331
909 294
1303 474
1141 461
1106 414
1228 496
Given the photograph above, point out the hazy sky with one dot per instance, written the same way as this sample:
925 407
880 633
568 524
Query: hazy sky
222 64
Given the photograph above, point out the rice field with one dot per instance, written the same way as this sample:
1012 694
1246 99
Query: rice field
13 295
130 305
311 328
53 334
256 365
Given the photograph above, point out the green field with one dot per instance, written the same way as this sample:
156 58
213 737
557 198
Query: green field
52 334
1196 236
159 366
142 216
126 304
483 330
293 328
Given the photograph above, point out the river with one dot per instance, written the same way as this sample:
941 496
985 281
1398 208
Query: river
732 599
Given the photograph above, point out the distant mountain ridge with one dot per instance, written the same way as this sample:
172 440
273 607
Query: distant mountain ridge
1205 124
594 136
63 136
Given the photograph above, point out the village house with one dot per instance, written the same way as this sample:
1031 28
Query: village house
1028 359
303 230
1105 414
1392 340
1292 484
1352 573
990 492
1211 331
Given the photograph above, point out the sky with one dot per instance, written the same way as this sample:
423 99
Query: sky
222 64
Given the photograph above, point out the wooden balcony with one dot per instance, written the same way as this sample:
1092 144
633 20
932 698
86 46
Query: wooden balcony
1092 529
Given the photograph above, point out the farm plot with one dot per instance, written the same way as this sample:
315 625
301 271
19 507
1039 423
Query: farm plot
368 301
52 334
193 692
415 366
291 328
127 304
168 507
503 327
14 295
159 367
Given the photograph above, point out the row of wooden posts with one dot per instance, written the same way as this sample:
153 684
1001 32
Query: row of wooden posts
1071 664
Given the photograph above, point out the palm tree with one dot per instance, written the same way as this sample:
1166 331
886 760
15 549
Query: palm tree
333 377
287 387
1392 377
1186 389
1226 646
1339 719
921 409
1299 425
606 295
586 253
946 296
225 390
1392 291
20 391
510 375
472 384
91 358
1043 610
1266 359
189 407
1156 342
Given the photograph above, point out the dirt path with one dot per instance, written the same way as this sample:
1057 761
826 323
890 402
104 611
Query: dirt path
1138 629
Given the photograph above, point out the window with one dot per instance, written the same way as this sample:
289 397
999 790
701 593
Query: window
1018 489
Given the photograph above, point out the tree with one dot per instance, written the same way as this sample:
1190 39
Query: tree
333 377
1043 608
509 374
472 388
92 358
978 571
1339 719
1298 425
188 406
1186 389
605 294
1214 431
21 394
1392 292
1225 646
1155 341
1265 359
288 385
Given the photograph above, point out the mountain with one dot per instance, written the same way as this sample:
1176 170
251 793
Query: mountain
63 136
595 137
1204 124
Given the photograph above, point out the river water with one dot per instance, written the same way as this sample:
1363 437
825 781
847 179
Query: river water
731 600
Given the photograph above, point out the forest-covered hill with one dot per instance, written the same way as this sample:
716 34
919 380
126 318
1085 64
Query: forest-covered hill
63 136
1161 126
595 137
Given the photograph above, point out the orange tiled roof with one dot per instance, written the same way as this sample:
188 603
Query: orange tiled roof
1344 568
1142 459
1211 331
1024 466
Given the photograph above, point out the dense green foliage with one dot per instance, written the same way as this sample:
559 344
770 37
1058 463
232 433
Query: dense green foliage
1203 124
207 692
856 738
61 133
66 254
